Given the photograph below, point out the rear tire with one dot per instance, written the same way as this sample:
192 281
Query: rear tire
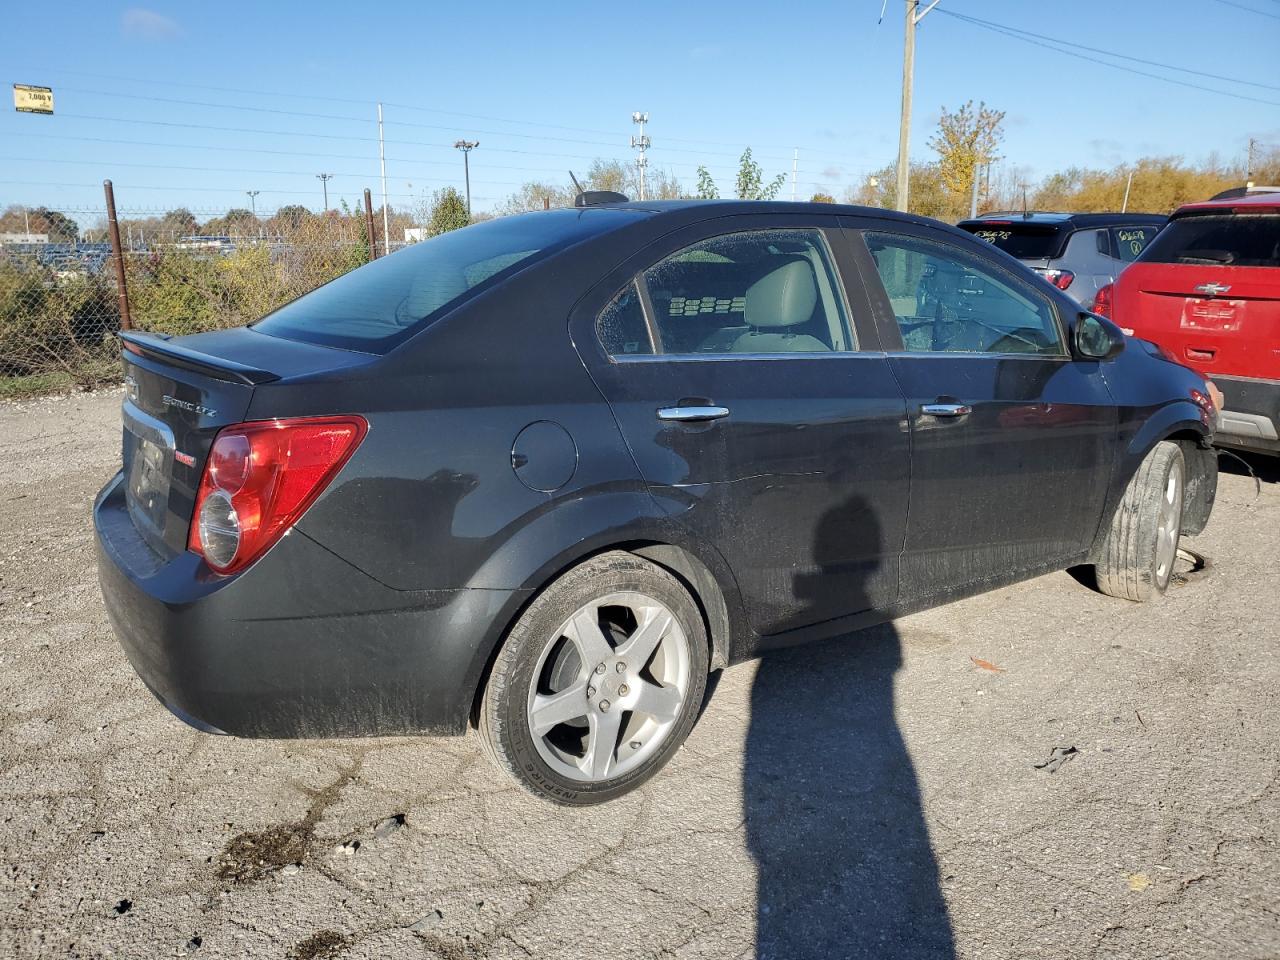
1140 548
598 683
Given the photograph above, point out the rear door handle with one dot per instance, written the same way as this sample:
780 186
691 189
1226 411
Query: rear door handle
946 409
692 414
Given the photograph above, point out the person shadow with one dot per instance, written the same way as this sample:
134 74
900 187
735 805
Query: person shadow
833 811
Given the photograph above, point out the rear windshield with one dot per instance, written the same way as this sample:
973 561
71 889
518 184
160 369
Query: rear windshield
1228 240
376 306
1026 241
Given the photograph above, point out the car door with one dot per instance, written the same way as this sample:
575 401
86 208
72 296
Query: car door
762 420
1012 439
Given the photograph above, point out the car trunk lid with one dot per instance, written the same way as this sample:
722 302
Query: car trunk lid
178 395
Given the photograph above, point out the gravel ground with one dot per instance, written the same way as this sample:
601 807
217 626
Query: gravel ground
877 797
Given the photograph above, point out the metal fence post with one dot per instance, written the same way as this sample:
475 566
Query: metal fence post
126 322
368 225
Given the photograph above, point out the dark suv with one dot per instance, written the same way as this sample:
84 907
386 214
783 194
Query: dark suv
1079 253
545 473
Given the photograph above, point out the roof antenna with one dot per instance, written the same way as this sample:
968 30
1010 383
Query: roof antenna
588 198
1025 214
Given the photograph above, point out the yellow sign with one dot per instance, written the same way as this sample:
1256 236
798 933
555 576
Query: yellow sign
29 99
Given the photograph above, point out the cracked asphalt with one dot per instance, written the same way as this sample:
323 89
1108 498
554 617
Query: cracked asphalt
871 797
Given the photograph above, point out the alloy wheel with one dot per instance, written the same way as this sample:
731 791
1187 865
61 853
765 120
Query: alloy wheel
609 687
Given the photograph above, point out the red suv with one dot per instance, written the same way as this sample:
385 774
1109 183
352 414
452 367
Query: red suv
1207 290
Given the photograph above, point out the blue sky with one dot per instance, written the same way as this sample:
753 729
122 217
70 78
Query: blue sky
185 104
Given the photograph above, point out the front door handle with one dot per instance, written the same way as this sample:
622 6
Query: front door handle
946 409
692 414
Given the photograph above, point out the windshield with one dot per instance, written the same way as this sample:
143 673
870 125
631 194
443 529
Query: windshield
1025 241
1228 240
376 306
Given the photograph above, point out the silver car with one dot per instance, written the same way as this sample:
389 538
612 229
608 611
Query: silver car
1076 252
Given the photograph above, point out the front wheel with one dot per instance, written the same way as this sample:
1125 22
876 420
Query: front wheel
598 683
1141 546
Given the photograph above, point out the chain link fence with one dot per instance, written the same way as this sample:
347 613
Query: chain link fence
60 303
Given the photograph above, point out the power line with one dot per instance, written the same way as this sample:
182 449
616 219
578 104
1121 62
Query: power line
1108 53
367 103
254 170
1241 6
318 136
1106 63
147 186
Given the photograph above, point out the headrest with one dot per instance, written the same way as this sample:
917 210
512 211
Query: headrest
783 297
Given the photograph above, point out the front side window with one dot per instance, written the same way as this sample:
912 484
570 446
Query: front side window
948 301
755 292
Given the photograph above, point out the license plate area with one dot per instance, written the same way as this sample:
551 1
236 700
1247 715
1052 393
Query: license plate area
148 470
1218 316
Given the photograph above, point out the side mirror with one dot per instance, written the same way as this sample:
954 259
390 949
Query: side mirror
1096 338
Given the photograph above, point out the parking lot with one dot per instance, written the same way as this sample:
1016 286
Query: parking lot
872 797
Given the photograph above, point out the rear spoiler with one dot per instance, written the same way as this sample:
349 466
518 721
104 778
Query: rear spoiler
157 347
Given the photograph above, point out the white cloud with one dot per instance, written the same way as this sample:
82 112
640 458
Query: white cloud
143 24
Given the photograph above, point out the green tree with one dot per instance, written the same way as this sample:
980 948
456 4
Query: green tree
180 222
822 198
928 193
966 138
448 212
707 189
751 185
59 227
291 216
532 195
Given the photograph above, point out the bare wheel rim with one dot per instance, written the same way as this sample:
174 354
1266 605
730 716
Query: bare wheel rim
1169 526
609 687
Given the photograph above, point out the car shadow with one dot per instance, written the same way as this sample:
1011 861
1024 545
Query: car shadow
832 806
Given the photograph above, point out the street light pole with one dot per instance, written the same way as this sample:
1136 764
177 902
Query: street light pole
908 82
324 179
253 201
466 146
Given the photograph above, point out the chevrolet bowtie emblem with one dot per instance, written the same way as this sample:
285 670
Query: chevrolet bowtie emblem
1212 289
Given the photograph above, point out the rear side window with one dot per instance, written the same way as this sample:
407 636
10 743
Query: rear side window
1129 242
373 308
1026 241
755 292
1228 240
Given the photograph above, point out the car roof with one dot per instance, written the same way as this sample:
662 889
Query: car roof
1232 203
722 208
1071 219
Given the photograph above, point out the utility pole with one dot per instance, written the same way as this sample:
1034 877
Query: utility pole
795 165
1124 206
324 179
641 143
253 201
908 80
1248 173
466 146
382 163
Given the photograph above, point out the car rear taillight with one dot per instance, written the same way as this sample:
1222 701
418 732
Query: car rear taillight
1102 301
259 479
1059 278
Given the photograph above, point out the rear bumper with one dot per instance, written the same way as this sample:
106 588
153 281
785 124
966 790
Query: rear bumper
302 644
1250 418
